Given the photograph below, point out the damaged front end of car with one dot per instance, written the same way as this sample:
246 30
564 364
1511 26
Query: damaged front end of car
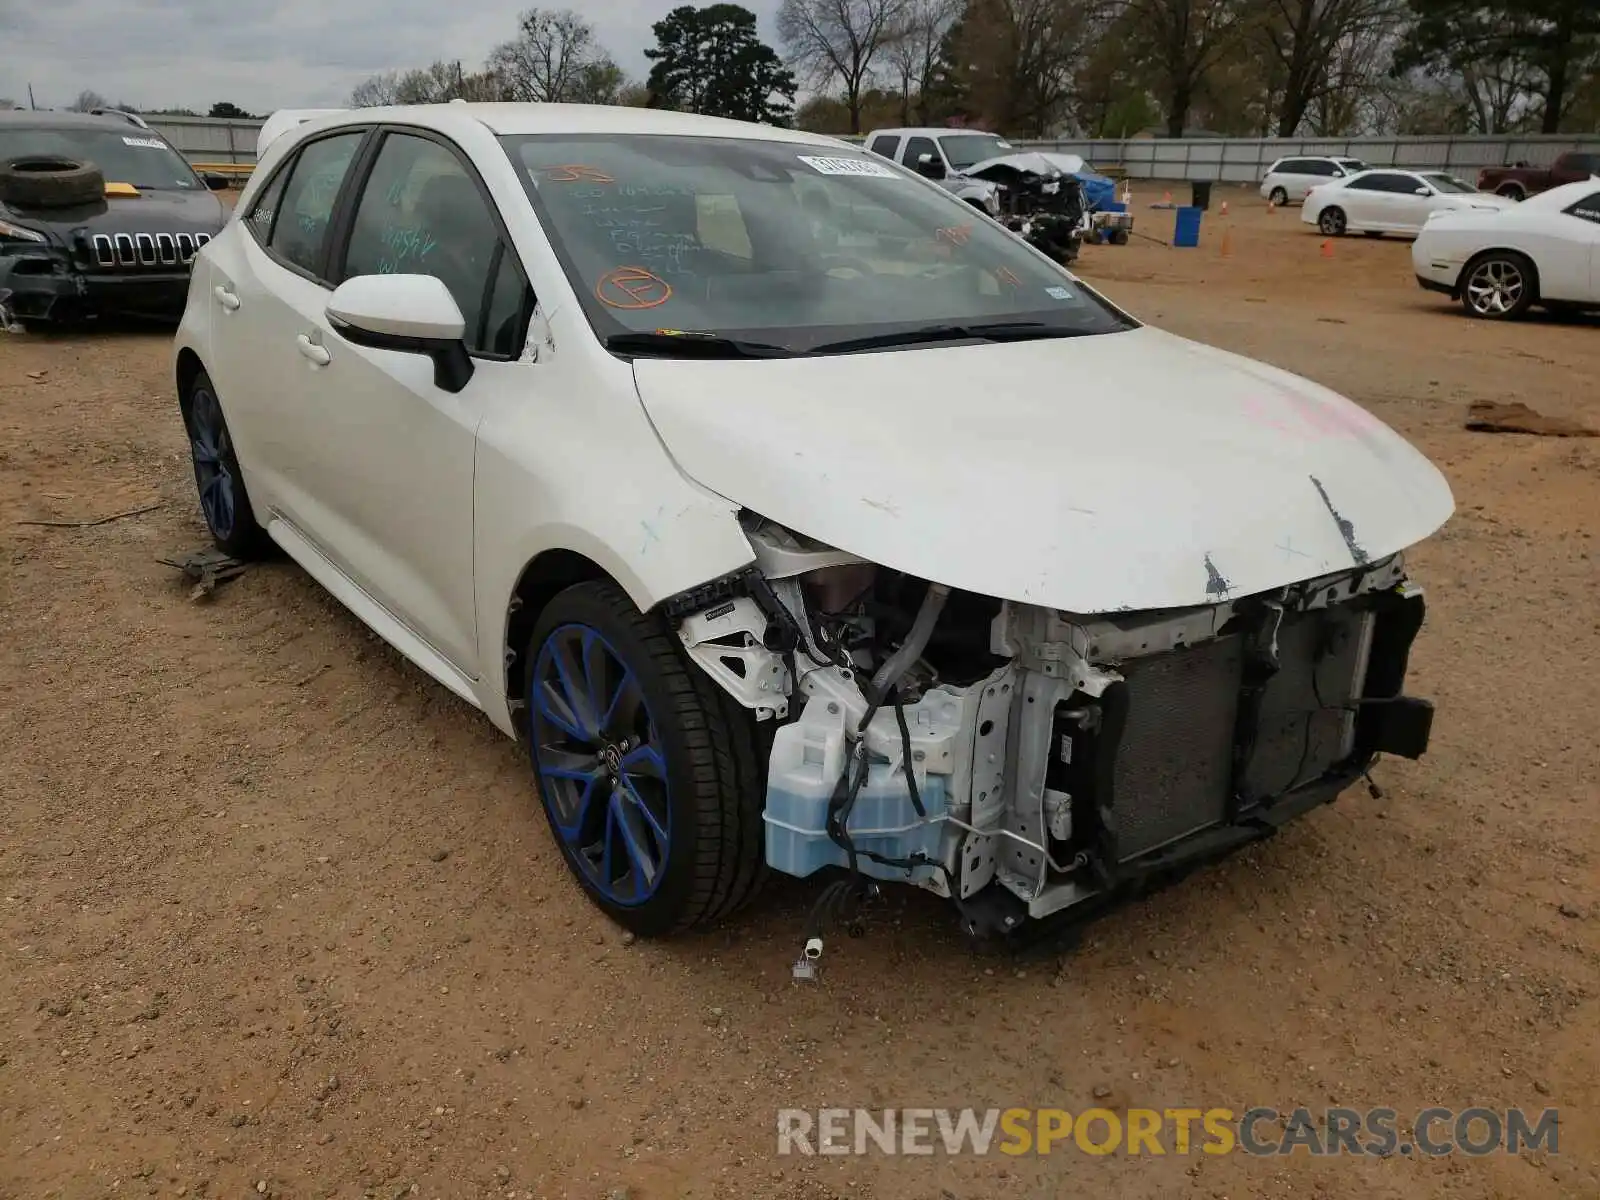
1031 764
1040 202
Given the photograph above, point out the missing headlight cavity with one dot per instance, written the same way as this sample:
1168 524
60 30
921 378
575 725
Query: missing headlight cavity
1022 760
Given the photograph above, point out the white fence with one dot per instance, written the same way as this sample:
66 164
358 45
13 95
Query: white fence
1238 160
1245 160
210 139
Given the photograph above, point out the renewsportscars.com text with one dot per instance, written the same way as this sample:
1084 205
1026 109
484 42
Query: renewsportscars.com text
1261 1131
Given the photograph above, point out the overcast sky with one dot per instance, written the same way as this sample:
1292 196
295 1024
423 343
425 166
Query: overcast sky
280 54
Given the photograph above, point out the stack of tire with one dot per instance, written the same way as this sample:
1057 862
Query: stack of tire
46 181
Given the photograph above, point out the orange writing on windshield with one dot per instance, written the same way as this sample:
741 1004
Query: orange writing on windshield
632 287
577 173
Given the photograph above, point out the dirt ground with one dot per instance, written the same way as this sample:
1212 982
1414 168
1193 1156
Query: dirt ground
279 916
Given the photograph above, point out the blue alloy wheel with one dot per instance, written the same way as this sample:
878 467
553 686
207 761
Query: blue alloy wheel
213 462
602 771
224 500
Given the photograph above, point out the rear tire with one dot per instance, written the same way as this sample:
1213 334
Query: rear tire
1499 286
1331 221
224 502
1512 191
648 772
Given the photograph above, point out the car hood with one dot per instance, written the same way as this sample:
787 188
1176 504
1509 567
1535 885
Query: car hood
1132 470
1482 202
148 212
1034 162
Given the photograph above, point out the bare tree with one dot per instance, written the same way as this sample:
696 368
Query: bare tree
913 50
555 57
436 84
838 40
1182 40
88 100
1313 41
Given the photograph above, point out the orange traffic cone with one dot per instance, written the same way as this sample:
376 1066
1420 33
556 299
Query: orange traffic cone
1166 198
1224 208
1327 248
1227 242
1271 207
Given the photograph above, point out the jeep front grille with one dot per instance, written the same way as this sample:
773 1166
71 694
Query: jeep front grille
135 250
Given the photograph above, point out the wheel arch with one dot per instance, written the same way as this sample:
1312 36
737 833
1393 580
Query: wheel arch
187 368
1479 255
545 577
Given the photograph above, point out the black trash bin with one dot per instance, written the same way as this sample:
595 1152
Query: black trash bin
1202 193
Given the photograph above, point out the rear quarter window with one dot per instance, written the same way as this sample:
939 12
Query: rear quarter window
1587 209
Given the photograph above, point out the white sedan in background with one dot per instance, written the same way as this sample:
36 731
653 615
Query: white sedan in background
1389 201
1543 251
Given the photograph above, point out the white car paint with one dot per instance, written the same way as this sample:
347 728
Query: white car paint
285 119
1291 177
1557 230
432 505
1389 200
1114 491
1100 503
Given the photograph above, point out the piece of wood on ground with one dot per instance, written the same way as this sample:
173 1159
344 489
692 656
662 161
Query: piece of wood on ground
1497 416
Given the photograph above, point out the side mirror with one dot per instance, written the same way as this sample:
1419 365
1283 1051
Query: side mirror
929 167
216 181
410 314
1424 191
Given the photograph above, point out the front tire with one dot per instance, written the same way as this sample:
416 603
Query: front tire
1512 191
1331 221
1498 286
1278 197
224 502
647 771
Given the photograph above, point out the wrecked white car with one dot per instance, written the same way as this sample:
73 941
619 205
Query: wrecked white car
793 516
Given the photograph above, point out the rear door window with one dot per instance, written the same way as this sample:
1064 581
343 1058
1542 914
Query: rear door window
885 145
300 226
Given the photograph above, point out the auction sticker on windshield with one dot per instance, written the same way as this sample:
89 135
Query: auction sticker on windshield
846 166
147 143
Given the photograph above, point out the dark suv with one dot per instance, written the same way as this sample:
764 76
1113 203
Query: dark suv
98 214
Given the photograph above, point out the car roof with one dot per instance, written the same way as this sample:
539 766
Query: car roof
46 118
513 119
1560 197
928 131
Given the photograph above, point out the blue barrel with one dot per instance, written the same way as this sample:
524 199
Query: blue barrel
1186 227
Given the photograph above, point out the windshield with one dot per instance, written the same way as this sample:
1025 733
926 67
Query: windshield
1447 183
130 155
790 245
964 149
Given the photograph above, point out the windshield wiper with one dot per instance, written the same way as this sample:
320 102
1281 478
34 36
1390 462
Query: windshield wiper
692 344
992 331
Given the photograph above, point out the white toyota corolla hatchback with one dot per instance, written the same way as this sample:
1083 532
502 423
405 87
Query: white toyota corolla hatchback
794 514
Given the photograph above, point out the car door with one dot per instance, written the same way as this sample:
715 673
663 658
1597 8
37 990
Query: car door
1372 201
268 280
1300 175
1409 199
394 452
915 148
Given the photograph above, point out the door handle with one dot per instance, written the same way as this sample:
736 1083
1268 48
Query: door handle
227 299
316 353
